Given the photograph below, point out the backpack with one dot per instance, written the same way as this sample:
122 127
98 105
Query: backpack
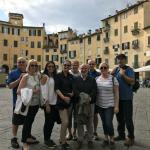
136 84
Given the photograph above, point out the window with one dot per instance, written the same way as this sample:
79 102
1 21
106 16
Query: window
106 60
98 37
5 30
55 50
136 25
5 42
39 32
116 32
72 54
135 10
81 40
47 57
89 40
27 52
116 18
15 31
32 44
125 29
136 60
54 57
148 40
32 32
15 59
32 56
98 61
62 59
15 43
39 58
5 57
125 15
39 44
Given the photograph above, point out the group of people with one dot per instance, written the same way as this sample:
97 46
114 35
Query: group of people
76 95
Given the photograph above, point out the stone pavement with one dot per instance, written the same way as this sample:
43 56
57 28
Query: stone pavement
141 121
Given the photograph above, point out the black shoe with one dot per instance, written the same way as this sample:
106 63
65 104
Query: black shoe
14 143
119 138
65 146
96 137
90 144
50 143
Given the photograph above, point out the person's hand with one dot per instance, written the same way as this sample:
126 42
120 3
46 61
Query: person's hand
36 91
48 109
116 110
122 72
66 99
70 94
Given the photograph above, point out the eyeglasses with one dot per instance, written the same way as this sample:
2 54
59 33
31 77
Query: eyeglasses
34 65
103 68
21 62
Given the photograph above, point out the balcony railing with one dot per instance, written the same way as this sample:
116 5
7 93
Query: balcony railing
106 39
136 65
106 28
135 31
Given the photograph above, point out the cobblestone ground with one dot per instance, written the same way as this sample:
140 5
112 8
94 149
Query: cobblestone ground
141 122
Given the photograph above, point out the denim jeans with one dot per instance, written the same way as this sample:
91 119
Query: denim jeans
106 115
125 117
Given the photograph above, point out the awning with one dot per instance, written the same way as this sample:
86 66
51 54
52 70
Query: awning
142 69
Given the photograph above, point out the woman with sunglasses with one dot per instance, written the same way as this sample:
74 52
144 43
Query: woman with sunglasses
30 80
50 111
107 101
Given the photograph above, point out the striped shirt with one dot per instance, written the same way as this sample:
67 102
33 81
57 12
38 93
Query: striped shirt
105 91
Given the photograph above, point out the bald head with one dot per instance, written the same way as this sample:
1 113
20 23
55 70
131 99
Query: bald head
91 64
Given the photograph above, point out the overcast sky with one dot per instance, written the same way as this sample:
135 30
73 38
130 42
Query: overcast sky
80 15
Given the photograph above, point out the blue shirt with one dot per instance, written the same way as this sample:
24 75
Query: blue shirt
13 76
125 90
93 74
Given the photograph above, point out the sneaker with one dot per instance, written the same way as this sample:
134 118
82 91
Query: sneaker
129 142
65 146
119 138
50 143
14 143
69 137
74 138
90 144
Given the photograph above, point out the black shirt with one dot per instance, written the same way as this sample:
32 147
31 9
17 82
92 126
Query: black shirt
87 86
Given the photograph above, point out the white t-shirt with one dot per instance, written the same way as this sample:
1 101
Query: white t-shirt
105 91
52 97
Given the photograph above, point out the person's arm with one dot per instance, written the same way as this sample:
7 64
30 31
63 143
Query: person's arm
128 78
93 91
116 97
22 83
15 83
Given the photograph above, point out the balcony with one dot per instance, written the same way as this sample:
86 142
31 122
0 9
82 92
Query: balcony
106 50
135 31
63 51
106 28
106 39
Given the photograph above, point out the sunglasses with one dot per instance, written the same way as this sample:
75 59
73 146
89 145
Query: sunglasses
21 62
33 65
103 68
